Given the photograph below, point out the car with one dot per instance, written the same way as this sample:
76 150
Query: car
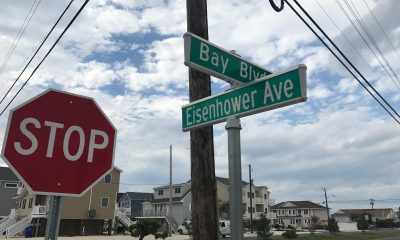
182 229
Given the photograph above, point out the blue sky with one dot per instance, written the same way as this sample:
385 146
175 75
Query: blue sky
128 55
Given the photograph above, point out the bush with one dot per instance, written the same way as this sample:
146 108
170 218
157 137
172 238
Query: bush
163 235
263 228
333 226
290 234
362 224
143 228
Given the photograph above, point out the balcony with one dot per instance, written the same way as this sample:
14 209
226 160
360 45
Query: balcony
39 211
154 213
260 200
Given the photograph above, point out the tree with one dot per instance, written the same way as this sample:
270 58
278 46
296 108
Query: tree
314 221
223 209
333 225
263 228
362 224
143 228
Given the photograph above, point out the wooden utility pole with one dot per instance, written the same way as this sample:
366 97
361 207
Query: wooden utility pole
204 192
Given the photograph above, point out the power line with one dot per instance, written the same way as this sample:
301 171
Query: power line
350 43
341 61
47 54
26 66
365 41
383 31
21 32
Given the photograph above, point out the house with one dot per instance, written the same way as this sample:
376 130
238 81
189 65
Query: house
298 213
182 201
9 184
349 215
91 214
131 203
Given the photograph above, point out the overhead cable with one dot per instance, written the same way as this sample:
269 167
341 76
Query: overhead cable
341 61
47 54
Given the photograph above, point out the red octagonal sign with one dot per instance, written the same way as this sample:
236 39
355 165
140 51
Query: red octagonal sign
59 143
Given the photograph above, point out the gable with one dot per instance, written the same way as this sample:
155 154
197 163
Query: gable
288 205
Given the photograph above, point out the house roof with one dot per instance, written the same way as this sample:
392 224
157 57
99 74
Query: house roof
6 174
377 212
226 181
174 199
139 195
297 204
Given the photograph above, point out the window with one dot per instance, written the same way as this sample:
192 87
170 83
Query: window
290 212
305 211
160 192
299 212
23 203
252 195
265 196
30 202
254 209
266 210
11 185
107 179
177 190
104 202
248 194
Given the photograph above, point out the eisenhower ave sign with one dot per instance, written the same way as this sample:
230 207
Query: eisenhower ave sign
209 58
271 92
59 143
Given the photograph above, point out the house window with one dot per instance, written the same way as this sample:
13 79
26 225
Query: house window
265 196
290 212
107 179
23 203
248 194
252 195
104 202
266 210
30 202
305 211
299 212
11 185
160 192
254 210
177 190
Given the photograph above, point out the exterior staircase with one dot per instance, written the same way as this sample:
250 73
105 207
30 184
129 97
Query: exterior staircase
125 220
17 227
5 223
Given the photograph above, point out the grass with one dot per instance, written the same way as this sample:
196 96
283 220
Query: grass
350 236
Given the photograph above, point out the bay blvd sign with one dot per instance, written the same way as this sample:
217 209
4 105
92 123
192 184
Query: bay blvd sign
209 58
271 92
59 143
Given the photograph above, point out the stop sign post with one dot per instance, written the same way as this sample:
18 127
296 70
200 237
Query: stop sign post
59 144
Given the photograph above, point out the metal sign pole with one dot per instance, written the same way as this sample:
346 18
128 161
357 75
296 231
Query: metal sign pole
53 218
235 178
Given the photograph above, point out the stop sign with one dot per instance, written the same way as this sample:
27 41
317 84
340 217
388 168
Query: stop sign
59 143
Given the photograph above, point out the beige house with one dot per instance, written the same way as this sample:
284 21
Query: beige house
91 214
298 213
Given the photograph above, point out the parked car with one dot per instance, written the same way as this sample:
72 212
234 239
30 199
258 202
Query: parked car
182 229
224 227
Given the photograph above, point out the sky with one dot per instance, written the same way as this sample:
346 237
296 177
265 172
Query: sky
128 55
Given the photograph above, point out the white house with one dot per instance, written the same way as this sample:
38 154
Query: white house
347 215
182 201
298 213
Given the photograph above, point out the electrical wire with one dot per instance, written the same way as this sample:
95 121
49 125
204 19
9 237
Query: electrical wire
381 28
341 61
21 32
371 38
351 44
37 50
366 42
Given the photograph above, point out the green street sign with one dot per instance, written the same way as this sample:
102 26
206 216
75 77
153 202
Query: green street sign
271 92
209 58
